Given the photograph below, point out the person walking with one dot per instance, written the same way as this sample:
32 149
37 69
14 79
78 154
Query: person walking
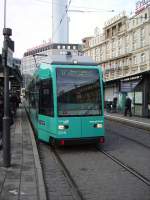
128 106
13 103
114 104
108 105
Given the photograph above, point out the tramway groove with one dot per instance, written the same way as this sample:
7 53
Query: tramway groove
128 138
58 183
75 190
128 168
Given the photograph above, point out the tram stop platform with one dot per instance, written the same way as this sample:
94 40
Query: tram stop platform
23 180
139 122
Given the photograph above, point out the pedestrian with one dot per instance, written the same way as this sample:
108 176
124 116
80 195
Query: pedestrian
108 105
1 119
128 103
13 103
114 104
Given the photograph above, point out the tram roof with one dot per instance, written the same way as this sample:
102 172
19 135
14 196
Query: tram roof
69 60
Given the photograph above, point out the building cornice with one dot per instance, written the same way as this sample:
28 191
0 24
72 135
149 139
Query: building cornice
116 58
138 27
127 76
141 49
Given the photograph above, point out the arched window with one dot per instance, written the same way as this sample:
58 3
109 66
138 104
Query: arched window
142 57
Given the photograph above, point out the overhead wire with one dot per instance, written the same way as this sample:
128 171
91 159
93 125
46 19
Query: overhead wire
92 10
87 9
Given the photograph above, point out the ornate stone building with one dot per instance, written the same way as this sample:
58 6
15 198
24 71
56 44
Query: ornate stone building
123 51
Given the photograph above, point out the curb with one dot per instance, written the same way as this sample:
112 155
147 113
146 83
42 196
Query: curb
40 179
133 123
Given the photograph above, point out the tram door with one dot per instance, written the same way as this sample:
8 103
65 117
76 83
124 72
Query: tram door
46 108
36 102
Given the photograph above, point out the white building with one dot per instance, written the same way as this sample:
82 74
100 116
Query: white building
36 55
123 51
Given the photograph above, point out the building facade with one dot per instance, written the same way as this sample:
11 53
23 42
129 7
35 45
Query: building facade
36 55
123 51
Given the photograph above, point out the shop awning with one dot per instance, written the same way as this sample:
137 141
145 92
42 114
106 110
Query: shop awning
129 86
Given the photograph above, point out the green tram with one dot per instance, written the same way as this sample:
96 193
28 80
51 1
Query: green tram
65 100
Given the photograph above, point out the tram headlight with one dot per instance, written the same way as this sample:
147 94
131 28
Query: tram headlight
61 127
98 125
75 62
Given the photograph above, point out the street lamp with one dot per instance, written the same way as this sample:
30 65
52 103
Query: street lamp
8 48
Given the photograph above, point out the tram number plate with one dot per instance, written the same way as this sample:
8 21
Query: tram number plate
41 122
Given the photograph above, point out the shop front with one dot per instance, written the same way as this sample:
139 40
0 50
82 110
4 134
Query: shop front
138 89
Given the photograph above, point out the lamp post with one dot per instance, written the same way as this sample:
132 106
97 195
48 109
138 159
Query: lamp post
6 118
8 48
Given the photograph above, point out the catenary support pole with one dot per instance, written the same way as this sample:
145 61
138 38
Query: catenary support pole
6 118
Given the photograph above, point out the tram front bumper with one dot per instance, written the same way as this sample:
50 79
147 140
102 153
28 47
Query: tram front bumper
73 141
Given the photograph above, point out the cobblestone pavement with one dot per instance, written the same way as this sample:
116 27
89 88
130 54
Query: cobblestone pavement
98 177
20 181
56 184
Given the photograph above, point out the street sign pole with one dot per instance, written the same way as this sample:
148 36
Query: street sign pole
6 119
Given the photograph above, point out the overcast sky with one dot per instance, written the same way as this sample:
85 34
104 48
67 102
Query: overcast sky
31 20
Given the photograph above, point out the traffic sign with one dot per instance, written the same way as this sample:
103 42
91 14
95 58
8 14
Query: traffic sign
9 58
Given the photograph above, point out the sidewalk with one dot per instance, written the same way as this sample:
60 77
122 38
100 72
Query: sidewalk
140 122
24 179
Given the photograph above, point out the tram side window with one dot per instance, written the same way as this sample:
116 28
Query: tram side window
32 96
46 106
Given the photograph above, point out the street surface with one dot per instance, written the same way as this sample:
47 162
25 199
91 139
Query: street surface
131 145
96 175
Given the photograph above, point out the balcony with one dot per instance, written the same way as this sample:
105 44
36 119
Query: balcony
134 69
143 67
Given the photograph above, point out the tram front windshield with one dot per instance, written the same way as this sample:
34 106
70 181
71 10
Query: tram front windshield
78 92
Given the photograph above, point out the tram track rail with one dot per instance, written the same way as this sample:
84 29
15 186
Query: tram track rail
75 191
77 195
126 167
113 158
